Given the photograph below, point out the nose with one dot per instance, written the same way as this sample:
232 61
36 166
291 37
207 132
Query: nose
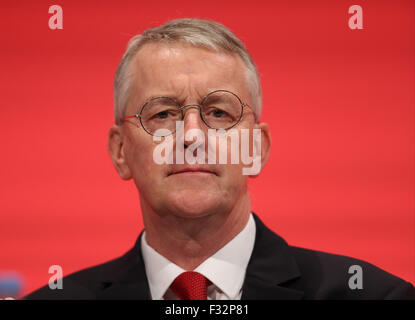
191 117
192 120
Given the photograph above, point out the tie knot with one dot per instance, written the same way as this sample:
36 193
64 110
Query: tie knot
190 285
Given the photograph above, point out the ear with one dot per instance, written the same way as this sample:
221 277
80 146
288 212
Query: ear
266 143
116 151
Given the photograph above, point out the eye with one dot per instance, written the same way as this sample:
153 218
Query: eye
217 113
165 114
162 115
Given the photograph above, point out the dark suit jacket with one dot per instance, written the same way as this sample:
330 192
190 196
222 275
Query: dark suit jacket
275 271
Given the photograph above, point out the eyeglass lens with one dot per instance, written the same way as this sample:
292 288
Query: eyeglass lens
219 110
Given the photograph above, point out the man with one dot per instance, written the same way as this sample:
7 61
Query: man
201 240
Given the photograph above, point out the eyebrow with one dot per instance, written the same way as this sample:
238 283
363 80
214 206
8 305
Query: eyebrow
174 97
177 99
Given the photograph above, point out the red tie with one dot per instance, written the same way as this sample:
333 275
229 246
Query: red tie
190 286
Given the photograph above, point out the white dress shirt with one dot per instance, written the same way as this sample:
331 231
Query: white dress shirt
225 269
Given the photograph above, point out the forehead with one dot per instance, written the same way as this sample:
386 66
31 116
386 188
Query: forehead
181 70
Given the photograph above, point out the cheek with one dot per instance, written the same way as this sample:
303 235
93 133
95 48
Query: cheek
140 159
236 177
143 162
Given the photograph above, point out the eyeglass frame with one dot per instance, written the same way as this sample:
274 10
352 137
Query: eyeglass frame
139 116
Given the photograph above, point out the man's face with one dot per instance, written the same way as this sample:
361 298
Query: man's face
187 74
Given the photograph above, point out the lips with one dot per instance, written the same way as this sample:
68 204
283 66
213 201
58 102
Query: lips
192 170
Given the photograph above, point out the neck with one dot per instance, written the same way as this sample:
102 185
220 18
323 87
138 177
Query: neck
188 242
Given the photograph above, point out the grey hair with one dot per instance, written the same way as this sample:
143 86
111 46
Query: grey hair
197 32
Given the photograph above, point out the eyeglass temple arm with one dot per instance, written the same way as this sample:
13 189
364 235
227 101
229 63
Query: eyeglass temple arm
247 105
134 116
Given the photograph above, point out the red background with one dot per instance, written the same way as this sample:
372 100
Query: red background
340 104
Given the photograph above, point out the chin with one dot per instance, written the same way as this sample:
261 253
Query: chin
195 204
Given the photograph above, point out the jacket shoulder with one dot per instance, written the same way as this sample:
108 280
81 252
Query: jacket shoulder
334 276
83 284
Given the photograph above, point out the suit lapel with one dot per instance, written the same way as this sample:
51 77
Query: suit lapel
133 291
131 281
271 265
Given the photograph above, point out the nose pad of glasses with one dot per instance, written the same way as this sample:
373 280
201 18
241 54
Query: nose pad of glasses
192 120
194 115
190 106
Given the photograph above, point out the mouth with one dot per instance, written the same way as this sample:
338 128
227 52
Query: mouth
192 171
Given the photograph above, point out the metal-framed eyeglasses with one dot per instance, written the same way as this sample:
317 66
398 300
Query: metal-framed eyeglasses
219 109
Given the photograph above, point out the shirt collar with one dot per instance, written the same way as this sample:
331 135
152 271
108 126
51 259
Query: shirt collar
232 259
